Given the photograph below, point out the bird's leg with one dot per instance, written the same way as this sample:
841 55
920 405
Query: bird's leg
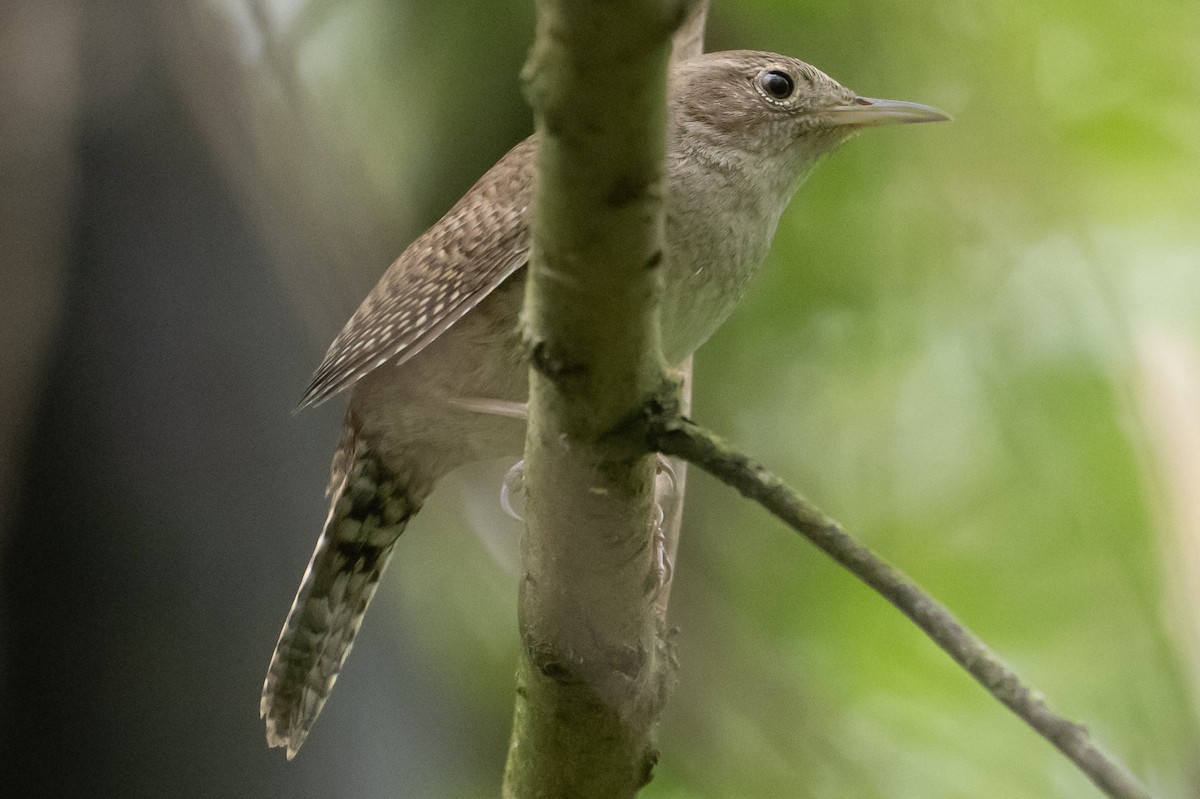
491 407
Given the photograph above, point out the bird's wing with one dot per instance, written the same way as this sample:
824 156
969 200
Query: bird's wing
482 240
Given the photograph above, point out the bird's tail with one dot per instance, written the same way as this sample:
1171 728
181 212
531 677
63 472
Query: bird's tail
369 509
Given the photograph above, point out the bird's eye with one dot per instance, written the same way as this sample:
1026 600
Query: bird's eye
778 85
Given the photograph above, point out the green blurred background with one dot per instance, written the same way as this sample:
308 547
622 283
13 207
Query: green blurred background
977 344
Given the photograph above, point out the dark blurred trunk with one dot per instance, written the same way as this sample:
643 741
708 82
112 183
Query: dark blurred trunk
168 500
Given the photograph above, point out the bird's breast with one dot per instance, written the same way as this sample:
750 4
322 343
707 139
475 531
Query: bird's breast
714 248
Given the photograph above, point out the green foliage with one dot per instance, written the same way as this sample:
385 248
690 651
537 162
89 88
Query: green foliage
953 351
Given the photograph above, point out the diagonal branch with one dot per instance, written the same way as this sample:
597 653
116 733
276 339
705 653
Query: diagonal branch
674 435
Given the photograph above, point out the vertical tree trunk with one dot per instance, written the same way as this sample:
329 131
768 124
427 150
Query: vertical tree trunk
594 667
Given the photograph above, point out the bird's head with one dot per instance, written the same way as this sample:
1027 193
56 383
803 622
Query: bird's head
775 112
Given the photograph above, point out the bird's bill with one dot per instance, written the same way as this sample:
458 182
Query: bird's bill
867 112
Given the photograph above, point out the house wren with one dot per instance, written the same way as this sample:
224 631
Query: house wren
434 354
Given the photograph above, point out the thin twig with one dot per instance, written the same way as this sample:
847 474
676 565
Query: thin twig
674 435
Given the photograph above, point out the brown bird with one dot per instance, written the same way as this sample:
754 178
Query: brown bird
434 356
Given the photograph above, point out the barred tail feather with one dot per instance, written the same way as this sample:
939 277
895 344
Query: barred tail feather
369 511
